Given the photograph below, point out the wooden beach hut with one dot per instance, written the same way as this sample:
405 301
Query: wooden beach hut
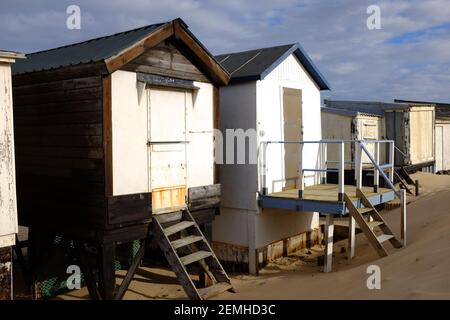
115 144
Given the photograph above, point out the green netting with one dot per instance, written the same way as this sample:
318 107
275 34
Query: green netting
52 280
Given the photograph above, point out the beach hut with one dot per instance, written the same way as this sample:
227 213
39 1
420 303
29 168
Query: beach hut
115 142
442 132
410 125
274 95
8 207
342 124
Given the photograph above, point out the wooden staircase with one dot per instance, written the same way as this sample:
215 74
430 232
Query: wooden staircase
374 221
406 181
184 246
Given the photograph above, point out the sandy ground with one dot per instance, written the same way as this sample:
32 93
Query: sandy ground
421 270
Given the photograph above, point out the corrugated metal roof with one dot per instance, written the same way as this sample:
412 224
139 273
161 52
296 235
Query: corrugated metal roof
350 113
257 64
442 109
370 107
84 52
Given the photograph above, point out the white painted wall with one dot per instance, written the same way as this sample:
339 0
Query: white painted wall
130 135
258 105
8 207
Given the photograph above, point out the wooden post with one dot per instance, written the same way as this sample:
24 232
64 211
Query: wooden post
341 172
329 231
6 292
376 174
416 184
351 237
107 276
403 215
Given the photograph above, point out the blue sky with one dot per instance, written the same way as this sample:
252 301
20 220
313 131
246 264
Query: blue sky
409 58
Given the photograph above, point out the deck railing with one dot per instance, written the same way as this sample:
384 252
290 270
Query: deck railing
322 169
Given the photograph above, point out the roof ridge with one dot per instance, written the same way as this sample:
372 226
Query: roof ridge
98 38
257 49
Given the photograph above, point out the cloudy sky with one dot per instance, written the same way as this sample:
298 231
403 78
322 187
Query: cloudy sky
408 58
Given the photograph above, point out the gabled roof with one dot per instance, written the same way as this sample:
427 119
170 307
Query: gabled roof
442 109
257 64
118 49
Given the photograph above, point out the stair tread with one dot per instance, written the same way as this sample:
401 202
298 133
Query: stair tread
384 237
196 256
218 288
186 241
373 224
178 227
364 210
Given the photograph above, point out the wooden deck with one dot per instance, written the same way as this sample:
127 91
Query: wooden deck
322 198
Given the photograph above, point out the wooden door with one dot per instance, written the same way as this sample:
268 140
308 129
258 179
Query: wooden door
167 147
293 131
439 148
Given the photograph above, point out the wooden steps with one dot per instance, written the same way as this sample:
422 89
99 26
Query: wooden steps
196 256
367 227
185 246
209 292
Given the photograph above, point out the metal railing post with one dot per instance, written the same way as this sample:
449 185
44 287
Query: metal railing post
376 174
301 186
324 163
391 160
264 169
341 171
358 164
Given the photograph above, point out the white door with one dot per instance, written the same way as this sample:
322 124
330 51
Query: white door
167 144
439 148
292 130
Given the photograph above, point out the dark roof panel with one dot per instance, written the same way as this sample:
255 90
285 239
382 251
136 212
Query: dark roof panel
257 64
442 109
84 52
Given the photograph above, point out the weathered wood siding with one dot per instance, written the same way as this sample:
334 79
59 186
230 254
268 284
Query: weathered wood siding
166 60
8 209
59 149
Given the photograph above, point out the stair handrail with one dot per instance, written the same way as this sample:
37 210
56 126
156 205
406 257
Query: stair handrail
379 169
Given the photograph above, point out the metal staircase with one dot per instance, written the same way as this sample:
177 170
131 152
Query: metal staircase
184 246
369 220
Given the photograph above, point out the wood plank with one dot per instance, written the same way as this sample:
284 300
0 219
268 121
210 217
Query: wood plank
116 62
212 291
107 134
384 237
61 74
194 257
186 241
198 193
178 227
